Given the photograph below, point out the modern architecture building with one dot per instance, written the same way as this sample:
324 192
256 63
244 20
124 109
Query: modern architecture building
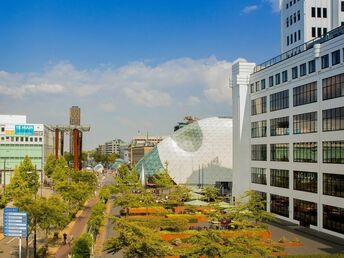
114 146
19 139
288 116
304 20
197 154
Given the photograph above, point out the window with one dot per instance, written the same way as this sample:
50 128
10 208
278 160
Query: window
291 20
257 86
305 123
336 57
279 100
333 217
291 38
258 176
258 129
342 6
258 152
262 84
258 106
279 152
305 94
306 181
319 32
333 87
279 178
284 76
298 15
325 12
305 152
287 40
287 22
324 31
333 185
325 61
299 34
314 32
311 66
333 119
294 74
279 126
319 12
305 212
333 152
278 78
2 129
313 11
263 198
271 81
252 87
303 69
279 205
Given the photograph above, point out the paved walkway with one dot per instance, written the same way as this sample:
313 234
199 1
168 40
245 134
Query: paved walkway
314 242
78 228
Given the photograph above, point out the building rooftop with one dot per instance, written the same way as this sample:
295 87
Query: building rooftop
300 49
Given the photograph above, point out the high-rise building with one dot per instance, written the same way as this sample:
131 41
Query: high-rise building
288 116
304 20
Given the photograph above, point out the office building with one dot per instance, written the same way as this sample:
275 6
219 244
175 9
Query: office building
304 20
19 139
288 133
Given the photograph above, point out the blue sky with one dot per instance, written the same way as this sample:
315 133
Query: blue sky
109 54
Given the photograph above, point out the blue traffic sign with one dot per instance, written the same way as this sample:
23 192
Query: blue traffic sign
15 223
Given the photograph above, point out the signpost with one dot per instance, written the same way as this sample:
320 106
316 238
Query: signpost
15 224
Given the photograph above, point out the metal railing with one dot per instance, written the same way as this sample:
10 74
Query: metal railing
302 48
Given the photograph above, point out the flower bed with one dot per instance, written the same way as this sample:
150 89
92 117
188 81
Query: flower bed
146 210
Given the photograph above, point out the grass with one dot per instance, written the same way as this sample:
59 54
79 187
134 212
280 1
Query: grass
318 256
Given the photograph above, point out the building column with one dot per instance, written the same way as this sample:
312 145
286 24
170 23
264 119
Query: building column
76 149
56 143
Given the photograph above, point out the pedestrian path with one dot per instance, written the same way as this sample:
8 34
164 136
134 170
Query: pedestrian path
78 228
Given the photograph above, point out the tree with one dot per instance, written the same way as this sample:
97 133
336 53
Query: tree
105 193
136 241
89 179
82 246
162 179
50 165
68 157
112 157
178 195
96 218
211 193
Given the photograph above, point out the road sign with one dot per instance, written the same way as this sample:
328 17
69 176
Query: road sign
15 223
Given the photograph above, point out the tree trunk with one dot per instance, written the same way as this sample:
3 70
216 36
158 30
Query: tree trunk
27 253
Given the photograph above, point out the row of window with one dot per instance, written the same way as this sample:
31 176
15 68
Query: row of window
321 31
302 70
293 18
319 12
21 139
290 4
306 212
332 120
294 37
333 152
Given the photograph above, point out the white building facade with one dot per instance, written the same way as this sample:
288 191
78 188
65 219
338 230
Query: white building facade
288 116
304 20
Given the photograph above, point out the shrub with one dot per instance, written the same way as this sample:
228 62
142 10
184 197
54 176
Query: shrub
82 246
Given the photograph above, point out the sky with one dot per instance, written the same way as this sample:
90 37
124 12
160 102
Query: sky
131 65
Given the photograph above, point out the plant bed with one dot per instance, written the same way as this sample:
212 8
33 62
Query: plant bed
288 244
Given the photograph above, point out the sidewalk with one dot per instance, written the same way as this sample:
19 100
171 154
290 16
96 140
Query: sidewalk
77 229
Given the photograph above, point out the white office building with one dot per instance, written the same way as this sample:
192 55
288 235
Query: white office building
288 133
304 20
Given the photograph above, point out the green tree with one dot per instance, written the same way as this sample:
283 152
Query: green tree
82 246
178 195
68 157
50 165
211 193
136 241
96 218
162 179
105 193
89 179
112 157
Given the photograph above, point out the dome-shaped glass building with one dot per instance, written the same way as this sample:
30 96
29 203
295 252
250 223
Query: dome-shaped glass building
197 154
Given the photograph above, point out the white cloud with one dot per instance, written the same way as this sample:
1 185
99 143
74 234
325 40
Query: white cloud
275 4
150 98
249 9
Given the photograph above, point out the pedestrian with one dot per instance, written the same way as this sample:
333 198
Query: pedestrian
64 238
